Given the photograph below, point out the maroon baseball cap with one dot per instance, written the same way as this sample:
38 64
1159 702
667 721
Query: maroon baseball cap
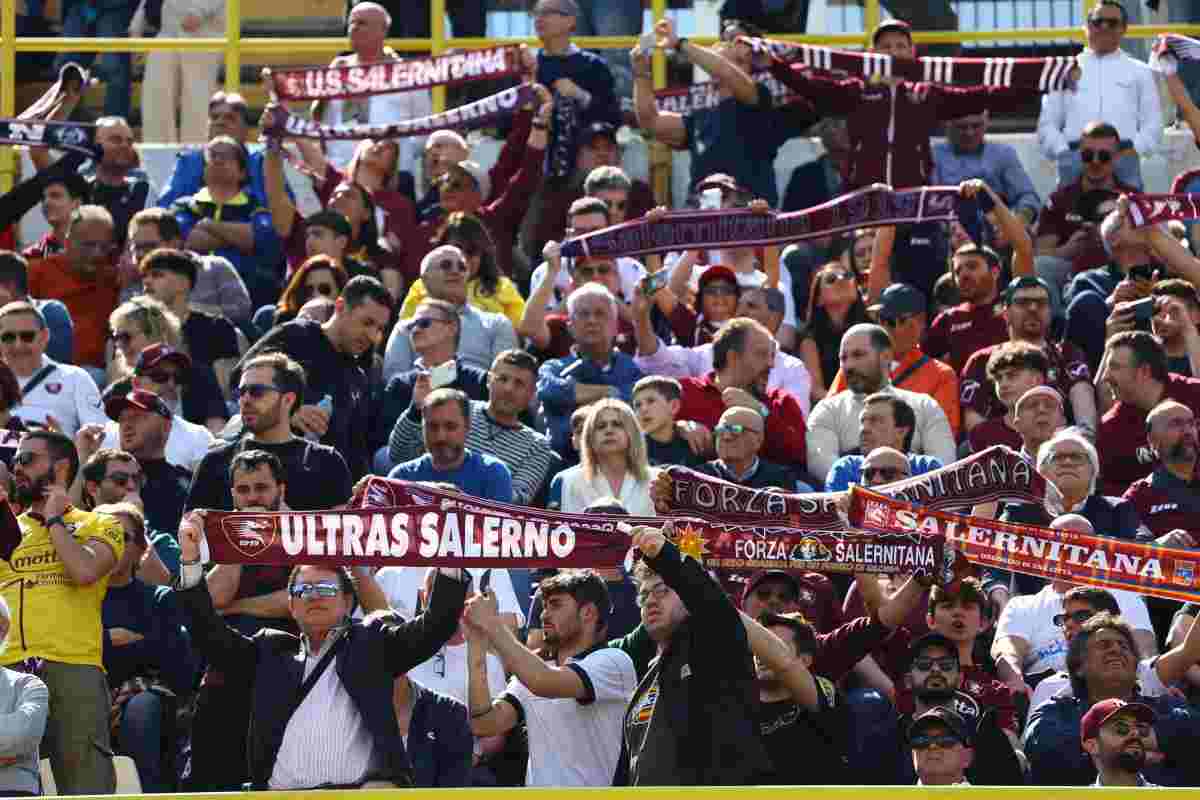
1102 712
155 354
897 25
769 574
720 180
139 399
717 273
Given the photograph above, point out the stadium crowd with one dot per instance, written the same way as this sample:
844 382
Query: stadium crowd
210 348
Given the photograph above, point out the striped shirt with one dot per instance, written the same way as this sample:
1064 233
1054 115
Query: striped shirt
523 450
326 740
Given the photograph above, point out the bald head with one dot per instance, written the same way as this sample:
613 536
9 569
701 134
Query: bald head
746 417
1167 410
1073 522
884 465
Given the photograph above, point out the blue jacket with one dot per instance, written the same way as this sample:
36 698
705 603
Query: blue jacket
1056 758
556 389
188 177
262 270
61 346
164 648
440 743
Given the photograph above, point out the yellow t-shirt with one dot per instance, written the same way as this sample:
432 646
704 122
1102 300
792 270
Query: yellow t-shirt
52 617
507 300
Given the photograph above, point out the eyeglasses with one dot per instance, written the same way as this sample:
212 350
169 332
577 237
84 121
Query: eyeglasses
943 664
548 12
126 478
121 338
323 589
26 458
1089 155
1078 617
424 323
1112 23
734 429
257 391
830 278
926 742
323 289
883 473
720 288
658 592
588 273
8 337
1068 457
450 265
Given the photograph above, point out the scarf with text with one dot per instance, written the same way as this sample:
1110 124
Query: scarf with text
479 114
1152 209
1171 48
339 81
706 94
1056 554
997 473
75 136
1053 74
869 207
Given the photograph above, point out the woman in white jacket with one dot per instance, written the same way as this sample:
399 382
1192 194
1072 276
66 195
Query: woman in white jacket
613 463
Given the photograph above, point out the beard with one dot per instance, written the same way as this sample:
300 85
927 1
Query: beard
935 697
28 495
1130 761
1182 452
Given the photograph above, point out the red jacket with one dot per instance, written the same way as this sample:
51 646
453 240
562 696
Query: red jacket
784 434
889 126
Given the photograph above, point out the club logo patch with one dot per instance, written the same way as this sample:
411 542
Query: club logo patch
250 536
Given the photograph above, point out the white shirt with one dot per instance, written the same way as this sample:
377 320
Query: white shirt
186 444
383 108
834 429
1031 617
575 742
326 739
746 280
630 269
1115 88
578 492
446 672
1059 684
68 394
677 361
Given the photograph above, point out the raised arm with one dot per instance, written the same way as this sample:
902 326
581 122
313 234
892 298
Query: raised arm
778 656
664 127
533 320
488 718
726 73
283 211
1012 225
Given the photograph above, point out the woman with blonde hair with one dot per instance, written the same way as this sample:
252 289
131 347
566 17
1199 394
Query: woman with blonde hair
135 325
613 463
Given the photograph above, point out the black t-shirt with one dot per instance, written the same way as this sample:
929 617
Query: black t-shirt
209 338
1182 365
317 477
806 747
121 201
164 494
328 372
677 451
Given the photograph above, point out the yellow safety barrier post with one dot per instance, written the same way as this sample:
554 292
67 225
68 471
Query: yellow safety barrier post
437 29
660 154
233 40
871 18
8 85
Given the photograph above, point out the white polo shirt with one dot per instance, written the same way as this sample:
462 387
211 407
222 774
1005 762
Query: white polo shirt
186 444
67 393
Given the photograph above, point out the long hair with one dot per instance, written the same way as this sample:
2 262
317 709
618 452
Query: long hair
467 232
157 323
292 298
636 460
819 321
360 150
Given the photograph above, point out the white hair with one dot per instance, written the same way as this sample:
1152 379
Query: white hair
386 15
591 290
1071 435
436 255
449 135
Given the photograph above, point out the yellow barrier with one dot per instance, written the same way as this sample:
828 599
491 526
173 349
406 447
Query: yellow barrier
710 792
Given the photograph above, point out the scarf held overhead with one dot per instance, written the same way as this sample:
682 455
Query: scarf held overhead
1153 209
1063 555
1052 74
393 76
869 207
479 114
707 94
74 136
1171 48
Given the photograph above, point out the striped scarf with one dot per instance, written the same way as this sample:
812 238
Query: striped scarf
1171 48
1053 74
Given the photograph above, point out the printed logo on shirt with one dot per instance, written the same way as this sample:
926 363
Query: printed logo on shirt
1145 455
1079 370
1185 572
53 388
1157 509
645 707
969 388
961 326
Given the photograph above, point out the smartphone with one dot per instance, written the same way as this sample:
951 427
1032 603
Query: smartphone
443 374
1143 309
655 281
647 42
710 199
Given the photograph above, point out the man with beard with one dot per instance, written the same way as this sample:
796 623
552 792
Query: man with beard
145 423
743 357
1136 370
270 390
54 580
1168 499
1027 307
570 744
1103 664
332 355
834 427
961 331
1117 735
446 419
83 278
887 422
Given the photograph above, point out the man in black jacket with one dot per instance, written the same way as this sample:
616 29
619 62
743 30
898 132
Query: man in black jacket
691 721
316 723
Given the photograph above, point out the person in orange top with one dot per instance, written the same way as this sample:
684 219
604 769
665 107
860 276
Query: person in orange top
901 310
84 278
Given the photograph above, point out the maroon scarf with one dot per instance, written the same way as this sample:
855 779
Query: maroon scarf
708 230
1152 209
479 114
706 94
393 76
1041 74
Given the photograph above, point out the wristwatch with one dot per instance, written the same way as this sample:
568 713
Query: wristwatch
56 520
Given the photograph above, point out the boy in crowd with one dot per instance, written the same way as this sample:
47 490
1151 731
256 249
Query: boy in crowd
656 401
1013 368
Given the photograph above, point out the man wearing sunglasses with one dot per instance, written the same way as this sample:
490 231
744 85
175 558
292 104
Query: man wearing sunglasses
1118 736
145 423
941 748
14 285
49 390
333 683
887 424
1113 87
54 582
739 438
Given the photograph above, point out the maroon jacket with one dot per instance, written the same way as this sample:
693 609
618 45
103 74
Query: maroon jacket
889 126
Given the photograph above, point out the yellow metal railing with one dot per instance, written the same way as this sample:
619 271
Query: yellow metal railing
234 47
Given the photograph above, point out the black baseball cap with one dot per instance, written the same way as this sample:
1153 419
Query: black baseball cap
937 715
1025 282
770 574
899 300
929 640
606 129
